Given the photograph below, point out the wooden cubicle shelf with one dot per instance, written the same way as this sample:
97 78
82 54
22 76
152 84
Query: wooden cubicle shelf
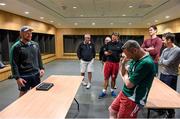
6 71
48 58
69 54
73 56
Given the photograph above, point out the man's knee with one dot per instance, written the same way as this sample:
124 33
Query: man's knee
112 113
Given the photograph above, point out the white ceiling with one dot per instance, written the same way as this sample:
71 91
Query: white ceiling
103 13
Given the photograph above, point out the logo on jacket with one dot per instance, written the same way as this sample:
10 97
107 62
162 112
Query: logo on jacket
34 46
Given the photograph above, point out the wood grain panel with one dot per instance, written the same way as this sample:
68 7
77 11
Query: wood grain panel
93 31
170 26
14 22
51 104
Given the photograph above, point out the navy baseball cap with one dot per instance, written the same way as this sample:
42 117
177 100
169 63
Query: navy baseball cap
26 28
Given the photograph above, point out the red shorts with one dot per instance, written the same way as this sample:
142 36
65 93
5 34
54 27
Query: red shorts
111 69
123 107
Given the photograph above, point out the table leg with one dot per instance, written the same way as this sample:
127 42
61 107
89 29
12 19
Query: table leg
148 114
77 104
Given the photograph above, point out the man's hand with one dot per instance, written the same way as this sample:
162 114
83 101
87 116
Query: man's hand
41 72
21 82
124 59
108 52
149 49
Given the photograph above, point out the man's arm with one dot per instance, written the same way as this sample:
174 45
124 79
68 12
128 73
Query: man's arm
40 63
79 51
172 59
40 59
14 61
124 74
155 50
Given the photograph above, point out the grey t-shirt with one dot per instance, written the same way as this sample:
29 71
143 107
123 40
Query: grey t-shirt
170 60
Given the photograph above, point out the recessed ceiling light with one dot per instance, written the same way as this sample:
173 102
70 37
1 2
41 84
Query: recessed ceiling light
76 24
93 23
123 15
41 17
26 12
111 23
51 21
130 6
74 7
81 15
2 4
156 20
167 17
129 23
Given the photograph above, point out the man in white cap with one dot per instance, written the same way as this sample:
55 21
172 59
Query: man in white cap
25 60
102 56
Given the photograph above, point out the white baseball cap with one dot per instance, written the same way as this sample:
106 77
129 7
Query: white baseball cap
26 28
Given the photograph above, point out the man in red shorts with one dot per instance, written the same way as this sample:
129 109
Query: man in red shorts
137 80
111 67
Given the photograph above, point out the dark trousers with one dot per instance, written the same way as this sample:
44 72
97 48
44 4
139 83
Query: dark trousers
171 81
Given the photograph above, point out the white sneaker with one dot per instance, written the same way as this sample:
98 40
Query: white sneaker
88 86
84 83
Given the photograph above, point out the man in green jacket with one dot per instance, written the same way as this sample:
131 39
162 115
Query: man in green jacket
25 60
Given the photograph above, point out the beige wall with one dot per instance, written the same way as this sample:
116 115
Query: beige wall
92 31
171 26
14 22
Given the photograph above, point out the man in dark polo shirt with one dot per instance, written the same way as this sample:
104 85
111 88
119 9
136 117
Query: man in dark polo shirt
86 54
111 67
25 60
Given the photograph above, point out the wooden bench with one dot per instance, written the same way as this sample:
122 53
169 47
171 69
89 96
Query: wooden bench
48 58
6 71
51 104
162 96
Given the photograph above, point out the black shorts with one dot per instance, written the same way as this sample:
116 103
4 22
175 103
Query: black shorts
31 81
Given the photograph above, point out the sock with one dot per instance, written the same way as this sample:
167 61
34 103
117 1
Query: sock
104 90
112 90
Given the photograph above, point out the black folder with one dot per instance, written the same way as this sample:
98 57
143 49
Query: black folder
44 86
